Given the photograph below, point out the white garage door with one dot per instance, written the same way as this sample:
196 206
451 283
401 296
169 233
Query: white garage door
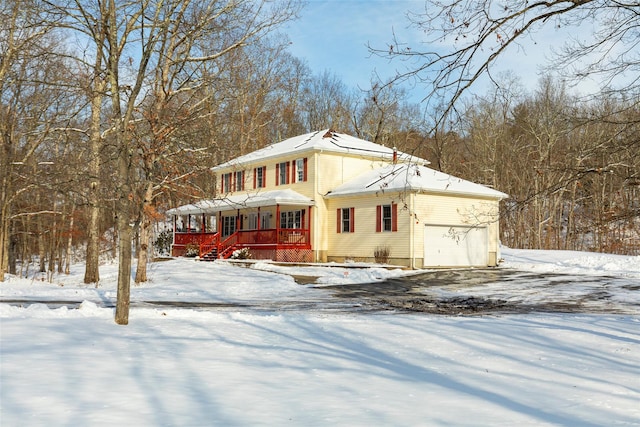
455 246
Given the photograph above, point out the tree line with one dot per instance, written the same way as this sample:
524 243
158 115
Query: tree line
113 111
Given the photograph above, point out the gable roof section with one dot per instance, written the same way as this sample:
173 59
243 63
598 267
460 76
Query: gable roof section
267 198
412 178
325 140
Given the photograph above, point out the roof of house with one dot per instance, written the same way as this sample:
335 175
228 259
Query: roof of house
412 178
324 140
252 200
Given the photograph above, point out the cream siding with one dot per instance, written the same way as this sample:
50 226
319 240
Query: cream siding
361 244
305 188
337 169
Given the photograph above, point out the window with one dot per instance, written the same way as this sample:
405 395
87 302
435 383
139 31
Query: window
345 220
260 177
265 222
387 217
225 186
291 219
282 173
299 170
228 225
253 221
239 181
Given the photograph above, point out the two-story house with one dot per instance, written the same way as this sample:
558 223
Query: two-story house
326 196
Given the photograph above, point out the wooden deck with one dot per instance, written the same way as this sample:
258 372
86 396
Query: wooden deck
262 244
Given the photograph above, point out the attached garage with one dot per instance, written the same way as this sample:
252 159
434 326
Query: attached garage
442 221
455 246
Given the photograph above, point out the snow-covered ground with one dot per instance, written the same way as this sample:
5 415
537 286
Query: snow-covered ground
196 367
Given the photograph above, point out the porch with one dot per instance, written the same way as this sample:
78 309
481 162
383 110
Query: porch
215 229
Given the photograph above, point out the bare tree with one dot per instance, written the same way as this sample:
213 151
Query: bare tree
480 32
150 49
30 109
326 102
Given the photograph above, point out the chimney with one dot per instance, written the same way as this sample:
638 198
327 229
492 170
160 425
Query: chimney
329 133
395 155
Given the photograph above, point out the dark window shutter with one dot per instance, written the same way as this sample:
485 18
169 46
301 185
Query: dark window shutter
293 171
378 218
277 174
352 220
264 176
339 216
255 177
304 171
394 217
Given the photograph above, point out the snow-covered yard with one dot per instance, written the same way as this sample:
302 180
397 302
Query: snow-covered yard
198 367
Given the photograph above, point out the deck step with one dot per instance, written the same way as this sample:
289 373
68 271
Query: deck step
210 256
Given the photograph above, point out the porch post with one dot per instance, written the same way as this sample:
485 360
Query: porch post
259 218
238 220
204 223
277 223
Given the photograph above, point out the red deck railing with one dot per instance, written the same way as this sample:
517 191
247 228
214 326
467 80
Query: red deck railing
283 238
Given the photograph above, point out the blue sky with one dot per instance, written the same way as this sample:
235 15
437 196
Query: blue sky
333 35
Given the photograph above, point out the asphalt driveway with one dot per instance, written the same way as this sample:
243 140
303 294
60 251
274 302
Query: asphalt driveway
497 290
447 292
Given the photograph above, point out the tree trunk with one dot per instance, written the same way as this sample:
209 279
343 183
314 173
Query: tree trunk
144 236
125 234
67 262
41 249
92 273
4 240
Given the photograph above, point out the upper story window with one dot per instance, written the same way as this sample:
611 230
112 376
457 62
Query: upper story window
299 170
260 177
387 217
225 185
345 220
282 173
239 181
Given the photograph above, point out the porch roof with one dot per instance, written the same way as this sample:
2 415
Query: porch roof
242 201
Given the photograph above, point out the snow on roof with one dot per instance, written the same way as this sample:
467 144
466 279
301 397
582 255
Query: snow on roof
413 178
325 140
247 200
